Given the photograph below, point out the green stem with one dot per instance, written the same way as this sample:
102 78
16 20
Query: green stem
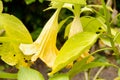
107 17
100 50
77 8
8 75
95 77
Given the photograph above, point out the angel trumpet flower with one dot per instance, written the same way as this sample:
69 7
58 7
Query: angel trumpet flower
45 45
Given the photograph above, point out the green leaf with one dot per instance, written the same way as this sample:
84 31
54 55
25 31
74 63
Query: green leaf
60 77
83 66
73 48
30 1
67 30
8 75
72 1
29 74
14 28
41 1
117 38
89 23
14 34
1 6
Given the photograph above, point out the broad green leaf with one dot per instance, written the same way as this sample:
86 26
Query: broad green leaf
89 23
14 34
73 48
72 1
29 74
8 75
29 1
1 6
60 77
14 28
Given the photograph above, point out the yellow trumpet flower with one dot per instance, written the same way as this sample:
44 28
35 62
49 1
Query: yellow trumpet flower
45 45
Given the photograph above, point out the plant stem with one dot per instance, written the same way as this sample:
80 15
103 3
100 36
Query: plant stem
100 50
107 17
77 9
95 77
8 75
86 75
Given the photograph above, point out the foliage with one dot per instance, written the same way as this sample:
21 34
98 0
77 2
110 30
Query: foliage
82 32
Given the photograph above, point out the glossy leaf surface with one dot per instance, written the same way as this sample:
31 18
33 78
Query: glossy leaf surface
89 23
73 48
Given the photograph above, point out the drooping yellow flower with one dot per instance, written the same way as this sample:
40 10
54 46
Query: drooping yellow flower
45 45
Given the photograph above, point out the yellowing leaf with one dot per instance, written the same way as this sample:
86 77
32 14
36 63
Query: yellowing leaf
14 34
45 45
73 48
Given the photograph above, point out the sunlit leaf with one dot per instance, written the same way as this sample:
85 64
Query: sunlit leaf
14 34
29 74
60 77
72 1
1 6
73 48
89 23
117 38
14 28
